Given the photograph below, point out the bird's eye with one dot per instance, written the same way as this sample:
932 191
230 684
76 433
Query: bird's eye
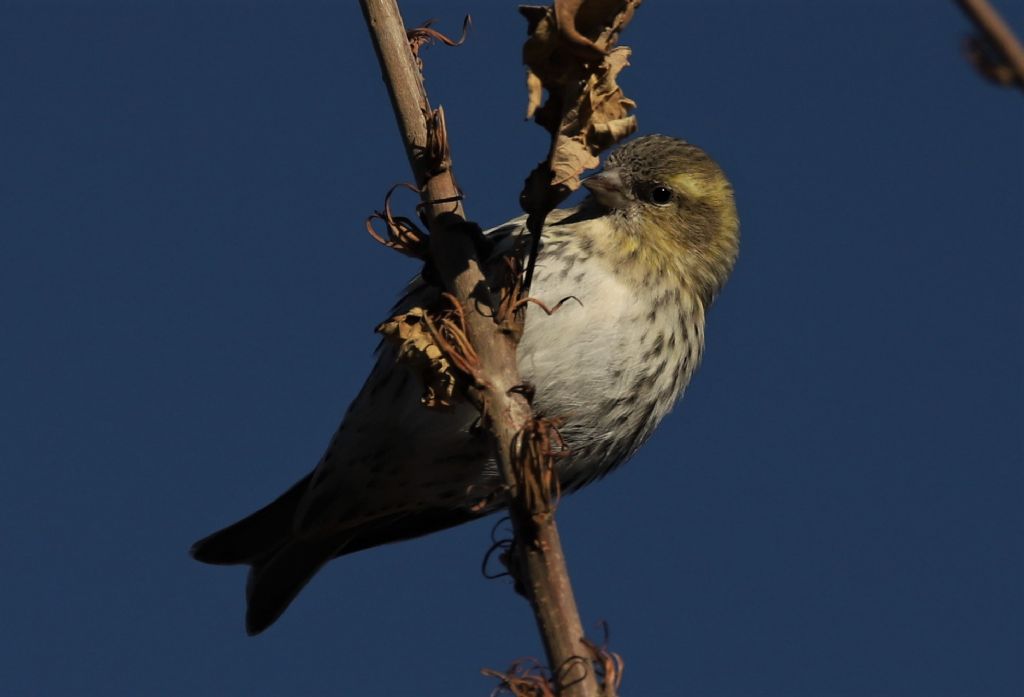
661 195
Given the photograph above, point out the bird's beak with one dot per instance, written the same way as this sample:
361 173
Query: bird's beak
608 188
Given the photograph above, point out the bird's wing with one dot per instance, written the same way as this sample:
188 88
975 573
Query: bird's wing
387 437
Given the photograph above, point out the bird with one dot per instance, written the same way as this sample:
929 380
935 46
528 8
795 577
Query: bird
645 254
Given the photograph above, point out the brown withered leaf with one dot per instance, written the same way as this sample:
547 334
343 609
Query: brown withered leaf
418 347
595 121
569 53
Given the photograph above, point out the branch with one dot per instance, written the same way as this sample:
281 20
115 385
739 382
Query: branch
497 390
1006 67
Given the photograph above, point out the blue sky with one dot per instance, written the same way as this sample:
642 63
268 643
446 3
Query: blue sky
188 297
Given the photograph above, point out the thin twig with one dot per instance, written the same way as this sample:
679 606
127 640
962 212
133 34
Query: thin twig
998 35
506 411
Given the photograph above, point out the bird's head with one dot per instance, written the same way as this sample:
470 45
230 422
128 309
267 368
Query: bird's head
671 211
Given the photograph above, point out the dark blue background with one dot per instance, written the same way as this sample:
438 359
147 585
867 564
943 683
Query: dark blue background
187 300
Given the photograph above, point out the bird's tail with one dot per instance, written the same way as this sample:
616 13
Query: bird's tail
282 563
283 560
256 536
276 580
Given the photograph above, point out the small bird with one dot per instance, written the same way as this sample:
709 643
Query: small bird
645 254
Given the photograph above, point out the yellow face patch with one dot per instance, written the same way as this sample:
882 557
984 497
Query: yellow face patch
686 185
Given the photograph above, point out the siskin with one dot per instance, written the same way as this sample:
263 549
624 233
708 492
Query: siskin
645 253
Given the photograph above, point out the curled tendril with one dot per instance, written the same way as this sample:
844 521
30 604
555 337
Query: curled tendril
562 675
549 311
510 292
501 548
609 665
500 545
449 332
421 36
537 447
401 233
526 677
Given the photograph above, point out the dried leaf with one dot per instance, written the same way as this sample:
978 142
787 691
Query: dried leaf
534 93
435 343
598 118
569 53
417 346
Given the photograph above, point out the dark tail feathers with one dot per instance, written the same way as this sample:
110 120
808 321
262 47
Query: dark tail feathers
274 582
283 562
257 536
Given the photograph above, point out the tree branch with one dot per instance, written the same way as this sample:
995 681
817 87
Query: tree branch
1009 69
540 565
